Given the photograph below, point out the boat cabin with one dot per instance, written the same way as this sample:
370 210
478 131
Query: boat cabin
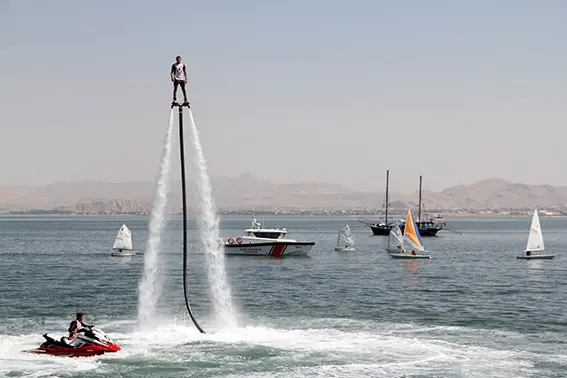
269 233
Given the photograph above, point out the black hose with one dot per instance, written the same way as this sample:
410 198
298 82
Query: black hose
184 197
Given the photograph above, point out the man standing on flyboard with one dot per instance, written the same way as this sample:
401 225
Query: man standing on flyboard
179 78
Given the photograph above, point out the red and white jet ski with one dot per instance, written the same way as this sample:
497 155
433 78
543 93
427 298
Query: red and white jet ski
89 342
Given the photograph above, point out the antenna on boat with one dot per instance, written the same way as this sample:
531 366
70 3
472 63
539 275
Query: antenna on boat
184 198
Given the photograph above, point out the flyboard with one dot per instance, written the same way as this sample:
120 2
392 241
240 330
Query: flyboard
184 208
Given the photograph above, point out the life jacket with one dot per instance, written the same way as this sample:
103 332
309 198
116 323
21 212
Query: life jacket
75 324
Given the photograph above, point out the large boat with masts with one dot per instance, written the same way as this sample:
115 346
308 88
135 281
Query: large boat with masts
429 227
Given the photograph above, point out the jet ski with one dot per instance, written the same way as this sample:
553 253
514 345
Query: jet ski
89 342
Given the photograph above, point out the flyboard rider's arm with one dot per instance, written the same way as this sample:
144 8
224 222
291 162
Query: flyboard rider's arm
172 74
185 73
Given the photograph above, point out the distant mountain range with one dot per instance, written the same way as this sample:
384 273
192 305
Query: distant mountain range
249 192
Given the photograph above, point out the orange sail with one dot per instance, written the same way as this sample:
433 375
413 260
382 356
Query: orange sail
411 234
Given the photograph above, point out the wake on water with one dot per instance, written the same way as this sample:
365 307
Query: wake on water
149 286
209 230
316 349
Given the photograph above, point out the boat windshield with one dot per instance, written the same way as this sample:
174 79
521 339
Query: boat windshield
268 234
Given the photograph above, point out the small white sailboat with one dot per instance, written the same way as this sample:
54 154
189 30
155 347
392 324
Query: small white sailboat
535 242
344 240
411 239
395 240
123 243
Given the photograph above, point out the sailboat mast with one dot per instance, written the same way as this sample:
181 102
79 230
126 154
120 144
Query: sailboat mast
419 209
387 196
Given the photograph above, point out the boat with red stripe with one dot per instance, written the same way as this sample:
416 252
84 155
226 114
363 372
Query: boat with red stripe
259 241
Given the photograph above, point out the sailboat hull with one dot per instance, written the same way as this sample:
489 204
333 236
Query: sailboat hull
408 256
124 252
536 257
344 249
425 229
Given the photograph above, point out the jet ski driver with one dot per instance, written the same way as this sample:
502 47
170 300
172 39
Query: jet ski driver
75 327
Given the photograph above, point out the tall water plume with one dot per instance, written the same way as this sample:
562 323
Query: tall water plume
209 232
150 285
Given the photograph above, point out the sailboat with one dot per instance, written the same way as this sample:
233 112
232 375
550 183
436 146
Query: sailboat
123 243
535 242
413 240
426 227
395 240
383 228
344 240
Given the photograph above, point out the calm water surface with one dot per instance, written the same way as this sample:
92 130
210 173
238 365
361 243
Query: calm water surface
473 310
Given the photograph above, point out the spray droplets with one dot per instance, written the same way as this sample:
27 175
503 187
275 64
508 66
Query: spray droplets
209 230
149 287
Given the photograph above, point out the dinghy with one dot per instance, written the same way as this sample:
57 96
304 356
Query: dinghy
535 242
411 239
344 240
395 240
123 243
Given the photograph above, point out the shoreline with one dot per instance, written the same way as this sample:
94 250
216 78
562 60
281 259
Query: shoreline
367 216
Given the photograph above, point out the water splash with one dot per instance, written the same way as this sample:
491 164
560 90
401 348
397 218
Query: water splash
149 286
209 230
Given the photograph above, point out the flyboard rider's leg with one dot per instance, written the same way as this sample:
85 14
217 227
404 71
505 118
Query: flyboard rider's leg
175 84
182 84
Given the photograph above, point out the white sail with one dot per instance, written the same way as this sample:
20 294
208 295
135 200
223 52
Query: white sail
535 239
395 238
344 237
123 239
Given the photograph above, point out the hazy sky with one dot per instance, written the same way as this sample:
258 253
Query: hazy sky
288 91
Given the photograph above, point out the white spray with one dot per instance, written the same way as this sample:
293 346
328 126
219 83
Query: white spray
209 230
149 286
